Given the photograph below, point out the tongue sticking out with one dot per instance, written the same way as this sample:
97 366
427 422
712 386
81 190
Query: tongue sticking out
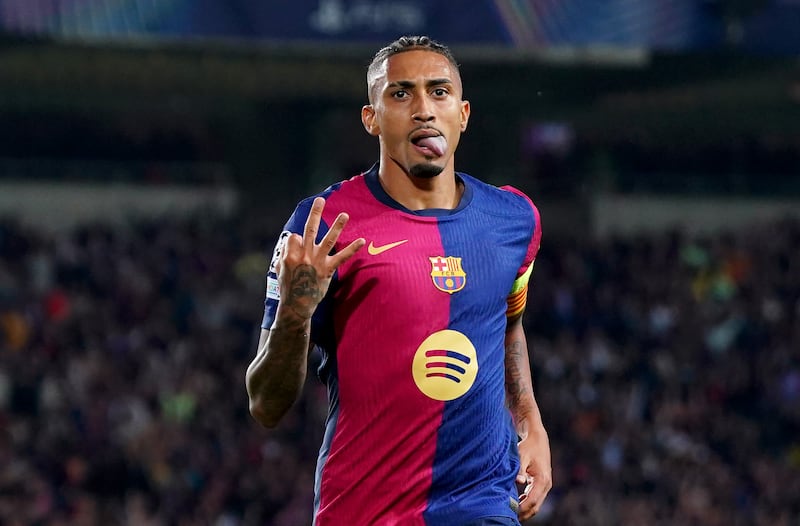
436 145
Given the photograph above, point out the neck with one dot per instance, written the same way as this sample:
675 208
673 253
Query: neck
418 193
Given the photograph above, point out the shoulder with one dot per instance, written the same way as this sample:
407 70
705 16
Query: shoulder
505 201
334 194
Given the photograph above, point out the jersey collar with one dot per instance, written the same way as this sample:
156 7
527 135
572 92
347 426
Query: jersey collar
375 187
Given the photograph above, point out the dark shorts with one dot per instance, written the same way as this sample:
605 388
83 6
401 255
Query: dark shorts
494 521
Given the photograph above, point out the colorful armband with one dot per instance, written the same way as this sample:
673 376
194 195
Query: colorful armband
519 294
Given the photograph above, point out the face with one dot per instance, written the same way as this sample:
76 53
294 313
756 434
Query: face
417 112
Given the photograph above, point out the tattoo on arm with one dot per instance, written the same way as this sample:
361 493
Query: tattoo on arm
515 387
304 291
286 386
276 375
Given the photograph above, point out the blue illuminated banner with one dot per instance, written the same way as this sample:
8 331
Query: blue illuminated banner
519 24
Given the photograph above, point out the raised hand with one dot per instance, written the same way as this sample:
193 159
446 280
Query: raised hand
305 268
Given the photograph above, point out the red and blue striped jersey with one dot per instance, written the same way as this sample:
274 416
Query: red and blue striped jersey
412 337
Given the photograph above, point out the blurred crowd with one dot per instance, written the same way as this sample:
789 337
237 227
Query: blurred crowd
668 371
666 366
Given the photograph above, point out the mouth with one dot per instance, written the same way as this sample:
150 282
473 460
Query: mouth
429 143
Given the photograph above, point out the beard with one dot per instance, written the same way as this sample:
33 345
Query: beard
425 170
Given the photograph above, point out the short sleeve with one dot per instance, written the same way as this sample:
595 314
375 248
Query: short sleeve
518 295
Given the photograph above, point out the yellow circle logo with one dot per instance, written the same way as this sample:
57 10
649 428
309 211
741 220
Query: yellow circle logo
445 365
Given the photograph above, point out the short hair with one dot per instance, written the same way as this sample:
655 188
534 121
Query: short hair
409 43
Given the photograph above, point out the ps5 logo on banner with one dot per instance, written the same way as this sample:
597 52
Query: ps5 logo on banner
334 17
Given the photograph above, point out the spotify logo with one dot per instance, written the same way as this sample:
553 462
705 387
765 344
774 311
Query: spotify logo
445 365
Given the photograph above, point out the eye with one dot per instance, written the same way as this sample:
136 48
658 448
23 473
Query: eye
400 94
440 92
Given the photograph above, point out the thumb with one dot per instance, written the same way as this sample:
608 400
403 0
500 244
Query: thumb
522 474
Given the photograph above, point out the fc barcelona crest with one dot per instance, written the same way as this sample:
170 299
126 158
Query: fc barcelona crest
447 274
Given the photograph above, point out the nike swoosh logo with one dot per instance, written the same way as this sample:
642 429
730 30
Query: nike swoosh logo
374 251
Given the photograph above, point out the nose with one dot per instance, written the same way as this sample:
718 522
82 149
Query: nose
423 111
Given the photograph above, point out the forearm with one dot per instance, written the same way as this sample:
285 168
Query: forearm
535 471
519 385
276 375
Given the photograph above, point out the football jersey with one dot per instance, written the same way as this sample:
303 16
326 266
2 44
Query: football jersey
412 333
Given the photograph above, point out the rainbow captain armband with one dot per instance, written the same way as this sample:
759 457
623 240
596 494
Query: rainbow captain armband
518 296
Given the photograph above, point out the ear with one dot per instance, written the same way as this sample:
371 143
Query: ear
369 121
464 114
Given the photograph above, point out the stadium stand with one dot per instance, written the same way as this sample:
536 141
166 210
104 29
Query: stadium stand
666 367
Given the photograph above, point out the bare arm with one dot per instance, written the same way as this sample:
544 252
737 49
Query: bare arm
276 375
534 447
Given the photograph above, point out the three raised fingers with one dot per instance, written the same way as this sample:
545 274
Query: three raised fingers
327 243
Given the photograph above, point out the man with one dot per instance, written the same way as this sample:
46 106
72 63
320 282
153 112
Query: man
420 332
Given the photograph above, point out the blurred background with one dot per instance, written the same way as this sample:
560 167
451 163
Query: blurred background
150 153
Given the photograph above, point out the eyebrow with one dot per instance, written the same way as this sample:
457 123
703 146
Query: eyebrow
411 84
